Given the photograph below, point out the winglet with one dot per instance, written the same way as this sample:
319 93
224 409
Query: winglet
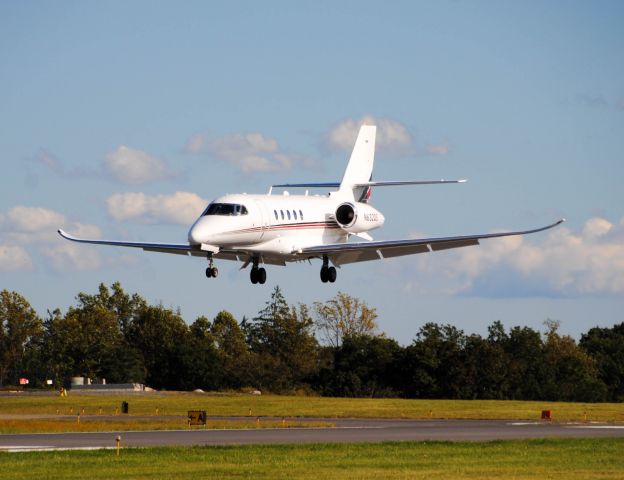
65 235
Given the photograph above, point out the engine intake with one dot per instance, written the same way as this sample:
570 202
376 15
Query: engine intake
346 215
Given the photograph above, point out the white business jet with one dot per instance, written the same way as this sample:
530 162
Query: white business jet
274 229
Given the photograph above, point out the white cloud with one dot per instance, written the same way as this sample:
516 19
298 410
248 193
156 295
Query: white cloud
49 160
438 149
32 225
32 219
134 167
196 143
36 228
249 152
178 208
392 136
71 256
14 258
562 263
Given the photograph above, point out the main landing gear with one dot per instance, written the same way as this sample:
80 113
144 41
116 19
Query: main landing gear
211 271
328 274
257 275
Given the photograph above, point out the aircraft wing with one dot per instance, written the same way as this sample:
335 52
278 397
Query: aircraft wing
237 255
343 253
178 248
175 248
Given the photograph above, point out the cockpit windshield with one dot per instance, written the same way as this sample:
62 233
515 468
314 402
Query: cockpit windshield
227 209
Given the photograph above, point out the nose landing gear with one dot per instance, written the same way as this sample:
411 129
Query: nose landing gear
328 274
211 271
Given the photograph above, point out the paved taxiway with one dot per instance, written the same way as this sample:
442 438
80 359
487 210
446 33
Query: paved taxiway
346 430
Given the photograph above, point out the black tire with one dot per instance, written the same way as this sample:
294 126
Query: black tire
331 274
215 272
253 275
209 272
324 274
261 276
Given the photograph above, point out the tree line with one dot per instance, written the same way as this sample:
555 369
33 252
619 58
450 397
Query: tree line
332 348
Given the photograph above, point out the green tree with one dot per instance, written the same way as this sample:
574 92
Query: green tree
363 366
485 367
20 331
197 359
344 316
161 336
527 368
86 341
433 364
606 347
89 340
282 344
573 373
232 350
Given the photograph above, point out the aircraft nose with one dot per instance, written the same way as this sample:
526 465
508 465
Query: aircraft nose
193 237
197 234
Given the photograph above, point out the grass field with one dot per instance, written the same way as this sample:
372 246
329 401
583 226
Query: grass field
553 459
300 406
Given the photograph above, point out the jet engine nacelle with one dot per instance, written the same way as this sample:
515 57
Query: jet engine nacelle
358 217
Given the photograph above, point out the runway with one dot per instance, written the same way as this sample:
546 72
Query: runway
345 431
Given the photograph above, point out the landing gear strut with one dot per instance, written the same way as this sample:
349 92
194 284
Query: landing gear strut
328 274
211 271
257 275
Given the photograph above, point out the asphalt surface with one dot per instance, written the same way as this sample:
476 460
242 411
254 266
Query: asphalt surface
345 430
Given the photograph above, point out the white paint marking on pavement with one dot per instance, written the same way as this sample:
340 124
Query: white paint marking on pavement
45 448
616 427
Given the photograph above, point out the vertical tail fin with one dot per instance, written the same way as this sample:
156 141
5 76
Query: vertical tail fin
360 166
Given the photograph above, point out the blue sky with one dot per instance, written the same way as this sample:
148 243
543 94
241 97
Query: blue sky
122 119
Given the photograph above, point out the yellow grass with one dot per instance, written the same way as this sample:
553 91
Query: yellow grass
178 403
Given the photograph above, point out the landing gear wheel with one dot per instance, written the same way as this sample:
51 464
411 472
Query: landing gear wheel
331 274
253 275
211 271
261 276
324 274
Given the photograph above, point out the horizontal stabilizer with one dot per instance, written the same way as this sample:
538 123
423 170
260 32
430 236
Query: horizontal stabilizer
307 185
367 184
407 182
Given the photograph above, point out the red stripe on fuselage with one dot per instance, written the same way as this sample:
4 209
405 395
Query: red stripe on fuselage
289 226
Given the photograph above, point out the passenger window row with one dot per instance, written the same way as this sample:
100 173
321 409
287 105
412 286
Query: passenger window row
288 215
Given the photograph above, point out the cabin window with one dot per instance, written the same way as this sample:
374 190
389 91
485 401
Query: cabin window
300 215
295 214
226 209
282 212
288 213
275 212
